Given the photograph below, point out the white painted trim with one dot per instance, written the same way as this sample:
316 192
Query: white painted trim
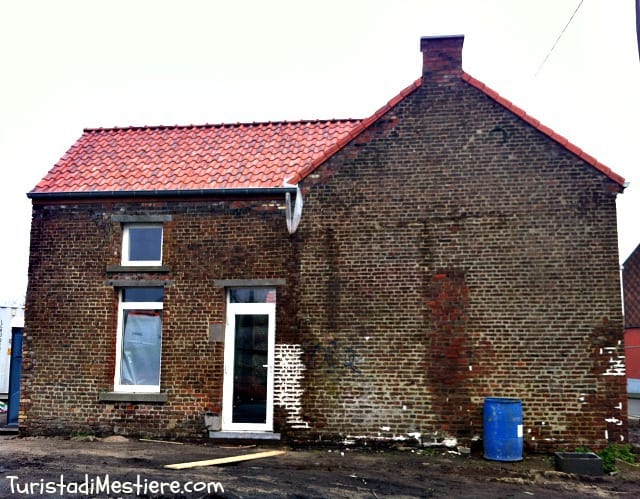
234 309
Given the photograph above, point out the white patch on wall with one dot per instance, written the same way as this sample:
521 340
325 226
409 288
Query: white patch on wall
288 391
616 362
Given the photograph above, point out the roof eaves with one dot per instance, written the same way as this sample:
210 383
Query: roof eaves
224 192
364 125
563 141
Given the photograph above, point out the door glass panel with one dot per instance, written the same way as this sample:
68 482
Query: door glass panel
250 369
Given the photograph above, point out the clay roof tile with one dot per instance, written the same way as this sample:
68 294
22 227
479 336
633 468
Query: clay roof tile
190 157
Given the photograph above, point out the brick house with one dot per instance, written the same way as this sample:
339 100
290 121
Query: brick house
631 292
450 248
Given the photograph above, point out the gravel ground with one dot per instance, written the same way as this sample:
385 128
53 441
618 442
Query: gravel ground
44 463
62 467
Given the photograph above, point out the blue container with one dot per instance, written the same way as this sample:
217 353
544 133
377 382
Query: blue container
503 429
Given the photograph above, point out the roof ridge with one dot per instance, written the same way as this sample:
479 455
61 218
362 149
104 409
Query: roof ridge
560 139
220 125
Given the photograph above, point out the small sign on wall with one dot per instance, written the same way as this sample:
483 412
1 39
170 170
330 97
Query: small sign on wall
216 333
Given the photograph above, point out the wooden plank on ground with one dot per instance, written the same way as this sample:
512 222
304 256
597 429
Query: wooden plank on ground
160 441
224 460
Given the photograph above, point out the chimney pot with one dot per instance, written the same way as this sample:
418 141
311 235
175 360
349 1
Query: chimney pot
441 57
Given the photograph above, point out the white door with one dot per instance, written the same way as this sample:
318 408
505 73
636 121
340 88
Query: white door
248 361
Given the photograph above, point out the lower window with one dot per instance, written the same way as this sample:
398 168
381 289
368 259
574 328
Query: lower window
139 341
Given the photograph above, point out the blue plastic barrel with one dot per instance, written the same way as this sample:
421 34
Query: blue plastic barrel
503 429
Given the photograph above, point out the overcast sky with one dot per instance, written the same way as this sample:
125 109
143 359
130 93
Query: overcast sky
71 64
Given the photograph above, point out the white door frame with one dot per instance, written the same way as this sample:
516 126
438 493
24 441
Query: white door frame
234 309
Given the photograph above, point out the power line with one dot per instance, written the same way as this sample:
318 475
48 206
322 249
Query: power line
558 39
638 24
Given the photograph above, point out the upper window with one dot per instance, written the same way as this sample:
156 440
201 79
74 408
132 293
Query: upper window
142 244
139 342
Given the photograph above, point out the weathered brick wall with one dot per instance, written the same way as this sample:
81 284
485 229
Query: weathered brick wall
453 253
70 336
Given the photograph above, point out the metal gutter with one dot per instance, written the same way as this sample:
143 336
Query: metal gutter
227 192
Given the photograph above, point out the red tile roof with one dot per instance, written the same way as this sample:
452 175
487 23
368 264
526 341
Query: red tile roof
241 156
259 155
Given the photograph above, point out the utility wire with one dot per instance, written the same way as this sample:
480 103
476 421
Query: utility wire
558 39
638 24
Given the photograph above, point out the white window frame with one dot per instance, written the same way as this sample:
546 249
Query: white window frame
133 305
125 244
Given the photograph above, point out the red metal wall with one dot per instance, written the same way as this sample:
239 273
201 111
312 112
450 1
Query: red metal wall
632 352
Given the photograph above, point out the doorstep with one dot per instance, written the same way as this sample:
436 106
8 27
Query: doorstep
244 435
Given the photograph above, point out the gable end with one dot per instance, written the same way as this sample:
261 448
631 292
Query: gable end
563 141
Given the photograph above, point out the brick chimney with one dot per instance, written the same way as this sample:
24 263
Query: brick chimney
441 57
